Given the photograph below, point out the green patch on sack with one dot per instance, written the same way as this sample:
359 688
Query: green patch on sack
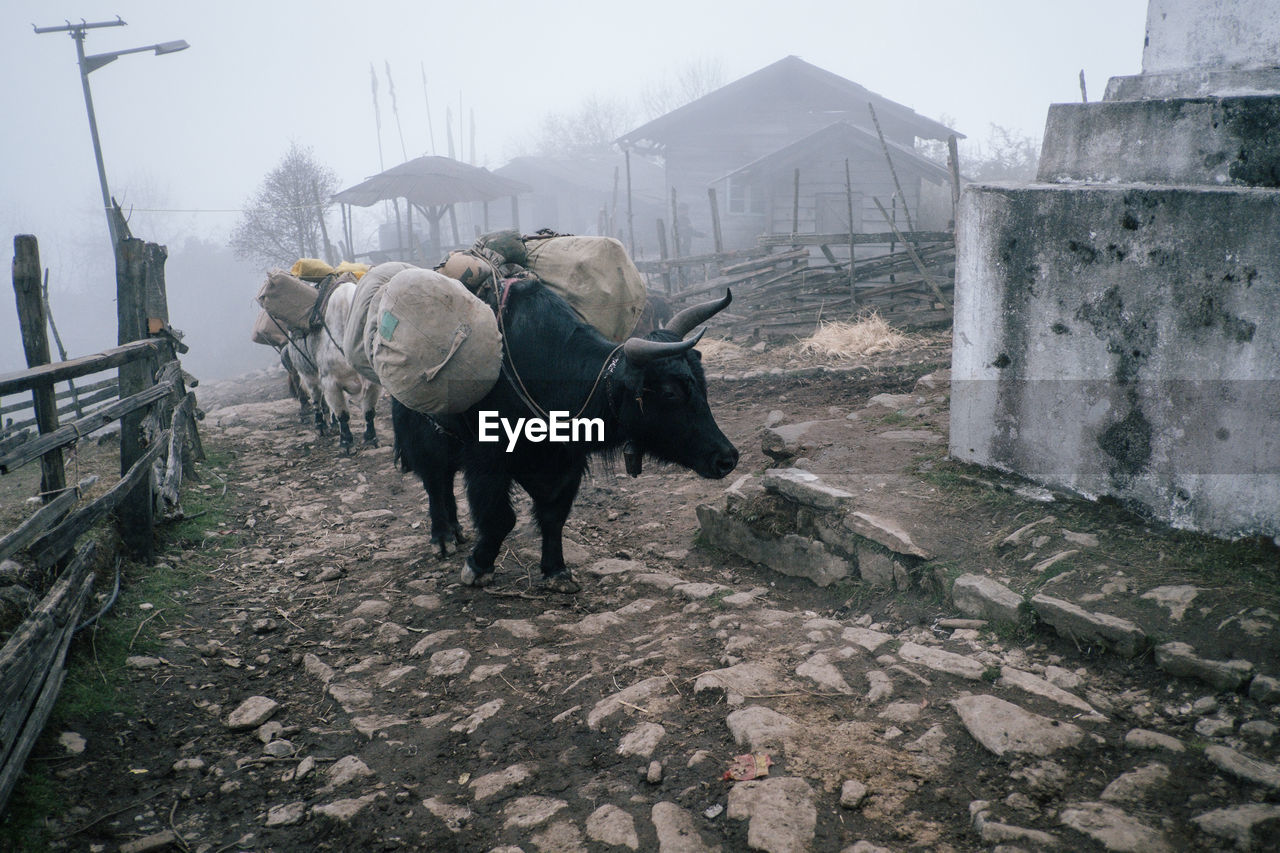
387 326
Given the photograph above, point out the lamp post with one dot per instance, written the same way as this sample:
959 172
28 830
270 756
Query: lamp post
89 64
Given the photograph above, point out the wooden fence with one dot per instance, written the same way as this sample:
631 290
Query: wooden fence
788 283
158 439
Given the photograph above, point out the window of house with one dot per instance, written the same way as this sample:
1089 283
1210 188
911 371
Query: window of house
833 213
743 196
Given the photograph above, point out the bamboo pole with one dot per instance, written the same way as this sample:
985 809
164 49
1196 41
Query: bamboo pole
884 146
915 259
848 194
57 339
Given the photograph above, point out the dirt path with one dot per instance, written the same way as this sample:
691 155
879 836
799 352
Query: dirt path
401 710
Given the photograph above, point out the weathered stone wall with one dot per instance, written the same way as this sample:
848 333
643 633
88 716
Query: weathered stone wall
1186 34
1122 340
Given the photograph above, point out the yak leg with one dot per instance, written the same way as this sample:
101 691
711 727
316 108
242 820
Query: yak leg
552 501
369 401
490 497
336 397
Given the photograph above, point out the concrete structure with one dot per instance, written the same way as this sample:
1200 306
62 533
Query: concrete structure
1116 324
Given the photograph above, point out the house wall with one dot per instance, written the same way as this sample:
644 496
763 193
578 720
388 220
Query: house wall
725 142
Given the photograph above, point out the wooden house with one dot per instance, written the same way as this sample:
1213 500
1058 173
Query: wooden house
747 138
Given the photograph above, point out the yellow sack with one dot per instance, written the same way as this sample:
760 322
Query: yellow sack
358 270
310 268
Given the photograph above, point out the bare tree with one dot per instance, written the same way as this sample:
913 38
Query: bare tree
1006 155
686 84
283 220
590 129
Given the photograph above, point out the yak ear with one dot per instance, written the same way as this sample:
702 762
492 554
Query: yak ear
695 315
640 351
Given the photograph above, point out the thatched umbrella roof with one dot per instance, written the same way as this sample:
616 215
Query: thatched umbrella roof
430 182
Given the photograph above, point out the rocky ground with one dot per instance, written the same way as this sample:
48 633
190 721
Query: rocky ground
331 685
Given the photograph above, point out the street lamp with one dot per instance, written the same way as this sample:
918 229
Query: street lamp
92 63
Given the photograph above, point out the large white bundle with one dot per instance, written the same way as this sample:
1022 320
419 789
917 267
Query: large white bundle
594 275
362 324
436 347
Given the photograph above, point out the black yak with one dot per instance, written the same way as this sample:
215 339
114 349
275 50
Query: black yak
648 396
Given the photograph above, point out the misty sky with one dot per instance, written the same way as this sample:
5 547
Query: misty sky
188 137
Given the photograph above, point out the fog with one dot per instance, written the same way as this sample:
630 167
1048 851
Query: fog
188 137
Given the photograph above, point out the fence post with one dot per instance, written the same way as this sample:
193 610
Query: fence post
35 344
662 253
135 512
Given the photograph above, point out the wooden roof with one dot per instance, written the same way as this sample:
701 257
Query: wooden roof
840 136
795 82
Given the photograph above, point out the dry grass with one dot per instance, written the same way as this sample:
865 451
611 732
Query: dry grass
719 351
867 335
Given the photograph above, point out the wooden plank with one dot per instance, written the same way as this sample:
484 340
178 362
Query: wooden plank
16 659
765 262
25 405
892 171
49 686
35 344
884 237
182 420
25 380
50 547
40 521
71 432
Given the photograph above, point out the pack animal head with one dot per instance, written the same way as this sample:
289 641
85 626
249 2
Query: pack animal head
664 411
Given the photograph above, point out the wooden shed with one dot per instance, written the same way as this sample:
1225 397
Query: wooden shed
704 143
764 196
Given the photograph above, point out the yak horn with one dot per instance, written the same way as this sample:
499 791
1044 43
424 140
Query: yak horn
640 351
695 315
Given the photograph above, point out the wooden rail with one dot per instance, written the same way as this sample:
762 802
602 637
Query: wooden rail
157 424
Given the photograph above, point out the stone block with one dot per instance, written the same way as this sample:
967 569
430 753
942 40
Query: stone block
984 598
1070 620
1119 340
1181 659
804 488
790 554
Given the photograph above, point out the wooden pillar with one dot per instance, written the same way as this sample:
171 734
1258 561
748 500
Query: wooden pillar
134 513
953 166
662 253
631 228
795 205
35 344
453 221
515 212
715 220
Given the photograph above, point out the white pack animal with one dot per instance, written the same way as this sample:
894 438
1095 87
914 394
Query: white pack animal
328 376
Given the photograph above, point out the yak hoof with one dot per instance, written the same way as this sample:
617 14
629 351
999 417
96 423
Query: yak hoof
459 537
561 582
472 577
370 441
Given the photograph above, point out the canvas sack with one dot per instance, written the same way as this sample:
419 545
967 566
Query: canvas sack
595 276
362 322
468 268
289 299
266 331
436 347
